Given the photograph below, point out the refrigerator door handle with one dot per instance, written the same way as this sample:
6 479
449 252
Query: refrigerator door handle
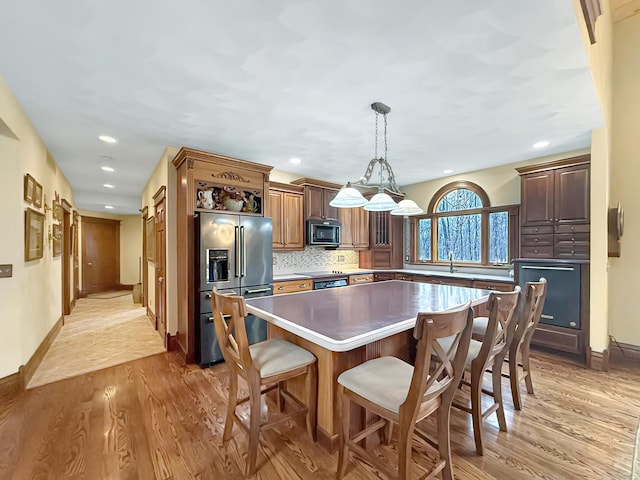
243 259
531 267
237 252
257 290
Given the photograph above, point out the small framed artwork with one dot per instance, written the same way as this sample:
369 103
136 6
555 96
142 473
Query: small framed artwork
37 195
29 188
33 235
150 231
57 239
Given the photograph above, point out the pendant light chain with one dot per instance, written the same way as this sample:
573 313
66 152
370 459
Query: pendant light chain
375 155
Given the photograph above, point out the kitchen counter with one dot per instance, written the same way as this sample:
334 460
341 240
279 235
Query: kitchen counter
433 273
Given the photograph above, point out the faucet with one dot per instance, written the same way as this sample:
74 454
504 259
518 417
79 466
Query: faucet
451 269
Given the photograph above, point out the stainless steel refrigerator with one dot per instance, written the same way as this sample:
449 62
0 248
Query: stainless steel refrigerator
235 255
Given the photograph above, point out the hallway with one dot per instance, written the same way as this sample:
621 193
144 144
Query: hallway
99 333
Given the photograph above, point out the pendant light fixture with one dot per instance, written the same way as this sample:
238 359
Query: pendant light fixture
350 197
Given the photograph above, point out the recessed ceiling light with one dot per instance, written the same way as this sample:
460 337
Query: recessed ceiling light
107 185
107 139
109 207
542 144
447 171
107 168
295 160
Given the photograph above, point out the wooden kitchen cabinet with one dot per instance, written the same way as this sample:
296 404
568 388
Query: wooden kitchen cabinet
317 195
355 228
285 208
456 282
291 286
386 241
554 210
360 278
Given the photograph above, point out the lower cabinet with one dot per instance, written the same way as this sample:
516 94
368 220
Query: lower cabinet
291 286
457 282
360 278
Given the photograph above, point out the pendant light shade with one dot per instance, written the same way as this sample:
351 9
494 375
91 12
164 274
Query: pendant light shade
380 202
407 207
348 197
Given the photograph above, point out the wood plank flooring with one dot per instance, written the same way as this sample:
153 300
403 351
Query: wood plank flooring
159 418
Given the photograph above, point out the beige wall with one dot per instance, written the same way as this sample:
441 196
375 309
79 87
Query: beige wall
164 175
31 300
600 60
625 179
130 243
501 183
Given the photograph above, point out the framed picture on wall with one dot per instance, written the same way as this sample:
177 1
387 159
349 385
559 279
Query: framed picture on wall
57 240
37 195
29 188
33 235
150 233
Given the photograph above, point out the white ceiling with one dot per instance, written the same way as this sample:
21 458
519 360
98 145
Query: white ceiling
470 83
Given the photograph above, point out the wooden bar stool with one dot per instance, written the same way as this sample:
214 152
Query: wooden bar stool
264 366
525 322
534 295
489 354
404 394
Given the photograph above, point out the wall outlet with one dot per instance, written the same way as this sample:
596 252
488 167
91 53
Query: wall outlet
275 260
406 258
340 258
6 270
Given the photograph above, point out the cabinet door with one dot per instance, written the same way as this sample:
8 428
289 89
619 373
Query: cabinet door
293 221
275 212
346 219
537 198
572 195
314 202
360 226
330 213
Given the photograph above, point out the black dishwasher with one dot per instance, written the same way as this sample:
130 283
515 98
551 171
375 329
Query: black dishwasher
563 302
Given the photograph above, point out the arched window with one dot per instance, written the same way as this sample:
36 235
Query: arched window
461 226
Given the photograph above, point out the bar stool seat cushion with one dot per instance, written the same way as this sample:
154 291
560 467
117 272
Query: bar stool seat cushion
474 349
384 381
275 356
480 326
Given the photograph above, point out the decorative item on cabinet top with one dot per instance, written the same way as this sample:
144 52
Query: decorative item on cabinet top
212 196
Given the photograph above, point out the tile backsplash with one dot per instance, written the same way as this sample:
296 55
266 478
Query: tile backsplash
314 258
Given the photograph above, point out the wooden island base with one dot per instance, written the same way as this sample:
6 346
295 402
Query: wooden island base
330 366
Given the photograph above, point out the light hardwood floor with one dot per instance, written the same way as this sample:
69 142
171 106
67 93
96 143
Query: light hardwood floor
159 418
99 333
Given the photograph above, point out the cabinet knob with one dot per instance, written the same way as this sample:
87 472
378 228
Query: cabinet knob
573 228
572 252
535 251
280 288
535 239
535 229
573 239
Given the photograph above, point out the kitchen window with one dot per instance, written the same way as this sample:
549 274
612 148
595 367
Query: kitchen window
461 224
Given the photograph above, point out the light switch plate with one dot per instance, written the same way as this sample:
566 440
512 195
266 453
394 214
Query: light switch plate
6 270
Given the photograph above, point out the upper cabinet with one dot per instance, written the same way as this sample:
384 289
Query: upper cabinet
386 241
355 228
317 195
554 211
286 210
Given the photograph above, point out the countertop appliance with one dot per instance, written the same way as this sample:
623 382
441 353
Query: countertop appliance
234 254
325 233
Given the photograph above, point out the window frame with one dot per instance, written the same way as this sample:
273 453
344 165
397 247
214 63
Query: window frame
514 221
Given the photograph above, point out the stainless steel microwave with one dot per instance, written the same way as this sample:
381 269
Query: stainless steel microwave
326 233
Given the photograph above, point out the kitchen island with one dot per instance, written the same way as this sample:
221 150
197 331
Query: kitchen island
344 327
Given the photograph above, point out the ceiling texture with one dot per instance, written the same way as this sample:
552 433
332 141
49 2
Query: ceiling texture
471 84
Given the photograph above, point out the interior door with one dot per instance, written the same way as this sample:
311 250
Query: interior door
160 251
66 258
76 262
100 255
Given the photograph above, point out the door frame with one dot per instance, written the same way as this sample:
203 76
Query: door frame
160 260
75 265
66 257
144 263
